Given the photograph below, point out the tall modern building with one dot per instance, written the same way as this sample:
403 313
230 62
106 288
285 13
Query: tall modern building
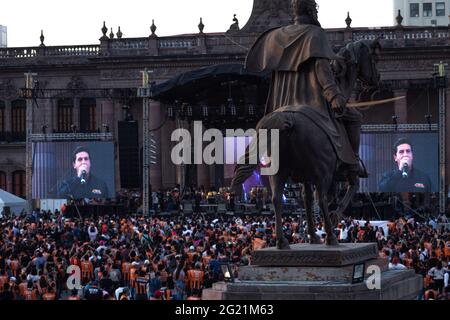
3 37
423 12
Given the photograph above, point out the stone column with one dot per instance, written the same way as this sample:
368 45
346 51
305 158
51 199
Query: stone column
9 181
40 115
8 116
76 113
107 115
401 106
47 107
447 169
98 113
53 125
155 122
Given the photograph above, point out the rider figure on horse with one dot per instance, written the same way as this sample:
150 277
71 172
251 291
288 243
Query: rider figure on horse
299 56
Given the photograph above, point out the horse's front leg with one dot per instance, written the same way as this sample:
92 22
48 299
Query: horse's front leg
323 202
277 183
308 200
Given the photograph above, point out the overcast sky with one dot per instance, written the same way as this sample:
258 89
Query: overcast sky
79 22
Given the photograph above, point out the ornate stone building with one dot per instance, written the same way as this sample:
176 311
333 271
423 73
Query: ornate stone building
90 88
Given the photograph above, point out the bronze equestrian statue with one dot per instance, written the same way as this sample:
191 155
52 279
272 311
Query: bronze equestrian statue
319 135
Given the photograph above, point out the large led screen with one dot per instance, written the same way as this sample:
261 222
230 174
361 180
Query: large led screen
73 170
400 162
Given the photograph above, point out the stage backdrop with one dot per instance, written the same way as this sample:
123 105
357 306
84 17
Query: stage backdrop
52 164
377 153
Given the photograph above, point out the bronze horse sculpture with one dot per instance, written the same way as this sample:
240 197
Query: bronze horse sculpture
311 158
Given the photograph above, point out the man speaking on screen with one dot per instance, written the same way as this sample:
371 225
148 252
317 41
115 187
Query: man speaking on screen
84 184
405 177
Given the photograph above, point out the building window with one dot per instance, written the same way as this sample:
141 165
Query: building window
19 183
18 120
65 115
3 180
414 10
427 9
87 115
440 9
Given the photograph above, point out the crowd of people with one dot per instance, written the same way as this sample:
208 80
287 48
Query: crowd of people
163 258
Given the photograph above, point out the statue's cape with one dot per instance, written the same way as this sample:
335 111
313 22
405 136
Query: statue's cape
286 48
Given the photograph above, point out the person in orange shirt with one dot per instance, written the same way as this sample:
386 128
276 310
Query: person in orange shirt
195 277
126 266
23 285
190 254
87 270
447 249
14 265
3 279
133 276
258 244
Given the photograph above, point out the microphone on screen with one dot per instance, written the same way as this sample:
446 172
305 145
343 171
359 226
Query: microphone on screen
83 177
405 171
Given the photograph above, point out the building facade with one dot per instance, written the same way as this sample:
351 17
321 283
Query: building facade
105 78
425 13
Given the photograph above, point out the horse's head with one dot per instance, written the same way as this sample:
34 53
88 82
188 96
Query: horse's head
359 61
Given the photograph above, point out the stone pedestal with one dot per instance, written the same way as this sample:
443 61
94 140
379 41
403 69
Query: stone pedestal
316 272
302 255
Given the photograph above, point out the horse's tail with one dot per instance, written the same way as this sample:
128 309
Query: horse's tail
275 120
243 171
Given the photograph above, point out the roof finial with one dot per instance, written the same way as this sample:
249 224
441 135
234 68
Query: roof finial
111 35
119 34
153 29
201 26
349 20
399 18
42 39
104 31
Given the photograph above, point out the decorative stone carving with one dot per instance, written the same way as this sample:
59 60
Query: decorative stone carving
76 83
235 26
7 90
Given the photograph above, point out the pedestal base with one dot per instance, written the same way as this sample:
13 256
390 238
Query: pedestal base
395 285
317 272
